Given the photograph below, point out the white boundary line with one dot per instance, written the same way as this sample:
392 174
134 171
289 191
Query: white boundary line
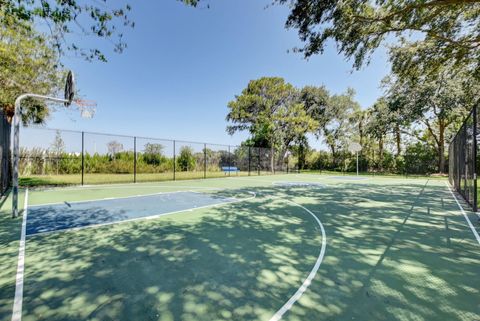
298 184
119 186
145 218
306 283
148 184
110 198
253 178
18 300
474 231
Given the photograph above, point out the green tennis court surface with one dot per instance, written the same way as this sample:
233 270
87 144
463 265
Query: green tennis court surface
290 247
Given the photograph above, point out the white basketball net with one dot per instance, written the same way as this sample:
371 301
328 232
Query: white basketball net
86 107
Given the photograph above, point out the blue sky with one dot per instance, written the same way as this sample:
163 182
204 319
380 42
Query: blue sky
183 65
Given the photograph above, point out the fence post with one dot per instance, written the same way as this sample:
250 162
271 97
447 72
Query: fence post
287 162
258 163
174 161
474 152
273 161
229 162
204 160
83 156
134 159
249 158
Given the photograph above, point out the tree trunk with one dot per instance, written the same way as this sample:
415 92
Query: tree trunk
301 157
441 146
272 159
334 159
398 139
380 153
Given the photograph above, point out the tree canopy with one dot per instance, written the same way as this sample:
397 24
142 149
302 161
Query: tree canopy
432 31
27 64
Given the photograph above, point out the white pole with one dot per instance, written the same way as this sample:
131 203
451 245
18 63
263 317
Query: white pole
16 143
357 163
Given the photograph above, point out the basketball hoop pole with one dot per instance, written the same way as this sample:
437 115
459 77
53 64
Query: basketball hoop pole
16 142
357 163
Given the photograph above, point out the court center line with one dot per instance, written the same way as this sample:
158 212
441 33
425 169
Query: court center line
145 218
306 283
474 231
18 299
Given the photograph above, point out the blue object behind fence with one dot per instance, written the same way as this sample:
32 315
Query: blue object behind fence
227 169
48 218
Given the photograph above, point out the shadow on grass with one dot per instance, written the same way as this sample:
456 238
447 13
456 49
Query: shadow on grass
42 181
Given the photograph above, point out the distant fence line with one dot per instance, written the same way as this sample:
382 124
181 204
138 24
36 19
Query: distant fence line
51 156
5 172
463 163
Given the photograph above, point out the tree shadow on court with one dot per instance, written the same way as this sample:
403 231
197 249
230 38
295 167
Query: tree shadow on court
9 242
239 261
394 252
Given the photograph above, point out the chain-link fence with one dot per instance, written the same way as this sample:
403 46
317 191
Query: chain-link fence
5 172
463 163
61 157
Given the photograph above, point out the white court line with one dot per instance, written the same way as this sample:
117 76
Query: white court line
145 218
119 186
150 184
110 198
464 215
252 179
18 300
297 184
306 283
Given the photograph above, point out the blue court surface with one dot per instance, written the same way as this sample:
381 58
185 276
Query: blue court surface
62 216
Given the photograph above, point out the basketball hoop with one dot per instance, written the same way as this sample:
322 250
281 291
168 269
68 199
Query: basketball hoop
354 147
69 93
87 107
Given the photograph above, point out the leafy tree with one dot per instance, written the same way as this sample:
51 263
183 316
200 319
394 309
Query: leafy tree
114 147
379 125
88 18
434 32
434 101
95 19
27 64
269 108
186 160
316 102
58 145
57 149
153 154
339 129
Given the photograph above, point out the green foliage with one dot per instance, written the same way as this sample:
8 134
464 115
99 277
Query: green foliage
435 101
270 110
28 63
58 145
105 20
86 18
153 154
420 159
432 32
186 160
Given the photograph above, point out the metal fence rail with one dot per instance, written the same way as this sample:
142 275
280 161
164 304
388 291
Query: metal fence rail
463 163
57 157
